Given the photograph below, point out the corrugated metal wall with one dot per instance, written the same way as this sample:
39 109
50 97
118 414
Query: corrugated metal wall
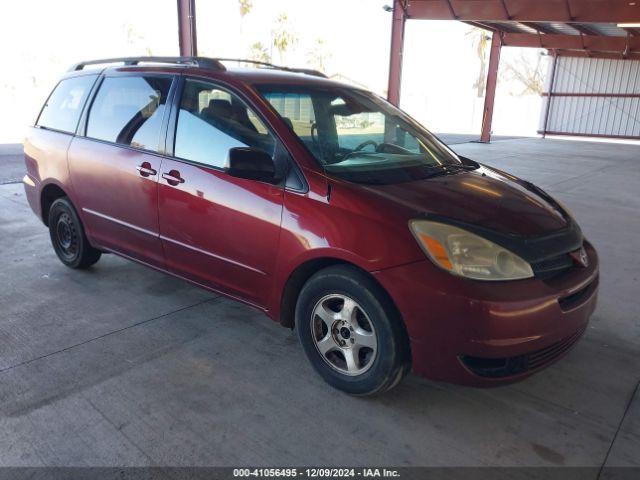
593 96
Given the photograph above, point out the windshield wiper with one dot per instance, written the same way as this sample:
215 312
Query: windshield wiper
460 166
448 169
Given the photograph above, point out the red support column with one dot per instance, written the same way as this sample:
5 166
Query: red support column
490 92
395 55
187 37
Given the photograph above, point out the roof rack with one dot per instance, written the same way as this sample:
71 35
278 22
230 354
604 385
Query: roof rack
308 71
202 62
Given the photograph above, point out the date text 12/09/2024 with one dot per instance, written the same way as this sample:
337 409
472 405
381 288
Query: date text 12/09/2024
315 473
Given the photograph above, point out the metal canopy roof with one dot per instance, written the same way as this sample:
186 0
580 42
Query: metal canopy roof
593 28
568 27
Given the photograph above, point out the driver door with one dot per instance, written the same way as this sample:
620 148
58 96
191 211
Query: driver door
217 230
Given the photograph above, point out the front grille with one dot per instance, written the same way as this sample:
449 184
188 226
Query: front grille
508 366
551 267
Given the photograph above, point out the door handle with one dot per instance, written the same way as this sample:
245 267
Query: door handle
173 177
145 169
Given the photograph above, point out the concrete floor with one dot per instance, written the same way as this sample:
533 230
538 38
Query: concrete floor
11 163
458 138
122 365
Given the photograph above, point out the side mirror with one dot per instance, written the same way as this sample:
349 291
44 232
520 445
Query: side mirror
252 164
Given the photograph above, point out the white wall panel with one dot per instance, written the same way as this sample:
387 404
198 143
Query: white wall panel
573 109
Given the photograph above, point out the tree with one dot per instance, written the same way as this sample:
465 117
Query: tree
481 40
318 55
258 52
526 71
283 38
245 7
135 39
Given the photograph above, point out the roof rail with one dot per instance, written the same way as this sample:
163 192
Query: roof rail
308 71
202 62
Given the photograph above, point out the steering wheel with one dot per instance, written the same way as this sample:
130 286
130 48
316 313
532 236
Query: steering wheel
359 148
364 144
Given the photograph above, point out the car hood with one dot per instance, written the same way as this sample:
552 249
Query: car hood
485 197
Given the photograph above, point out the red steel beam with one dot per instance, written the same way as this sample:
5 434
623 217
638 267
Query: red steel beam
588 11
588 54
490 93
481 26
187 37
572 42
395 54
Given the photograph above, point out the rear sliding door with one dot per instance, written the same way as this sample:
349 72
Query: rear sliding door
115 166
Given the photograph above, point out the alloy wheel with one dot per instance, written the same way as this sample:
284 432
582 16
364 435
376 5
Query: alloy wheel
343 334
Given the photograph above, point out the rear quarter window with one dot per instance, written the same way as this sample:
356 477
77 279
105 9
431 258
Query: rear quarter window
128 110
63 107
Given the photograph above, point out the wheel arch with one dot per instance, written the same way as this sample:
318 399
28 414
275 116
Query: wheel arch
303 272
49 194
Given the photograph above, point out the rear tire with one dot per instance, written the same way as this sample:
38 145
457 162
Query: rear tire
350 331
68 238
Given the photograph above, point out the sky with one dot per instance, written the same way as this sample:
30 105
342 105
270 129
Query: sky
40 39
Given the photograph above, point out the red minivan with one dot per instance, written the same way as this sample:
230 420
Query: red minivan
320 204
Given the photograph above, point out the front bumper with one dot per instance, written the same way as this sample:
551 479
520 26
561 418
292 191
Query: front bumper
488 333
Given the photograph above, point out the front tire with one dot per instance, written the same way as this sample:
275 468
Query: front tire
68 238
350 331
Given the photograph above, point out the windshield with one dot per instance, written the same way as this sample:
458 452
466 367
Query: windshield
357 136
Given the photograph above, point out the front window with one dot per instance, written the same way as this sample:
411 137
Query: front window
211 121
357 136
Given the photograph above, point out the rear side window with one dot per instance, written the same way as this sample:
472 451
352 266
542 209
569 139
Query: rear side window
129 110
64 105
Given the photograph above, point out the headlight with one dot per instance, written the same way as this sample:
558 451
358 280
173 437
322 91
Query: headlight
463 253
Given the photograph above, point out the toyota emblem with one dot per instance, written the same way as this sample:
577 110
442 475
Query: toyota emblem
580 257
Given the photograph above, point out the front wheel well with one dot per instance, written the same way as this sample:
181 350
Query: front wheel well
296 281
50 193
304 272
